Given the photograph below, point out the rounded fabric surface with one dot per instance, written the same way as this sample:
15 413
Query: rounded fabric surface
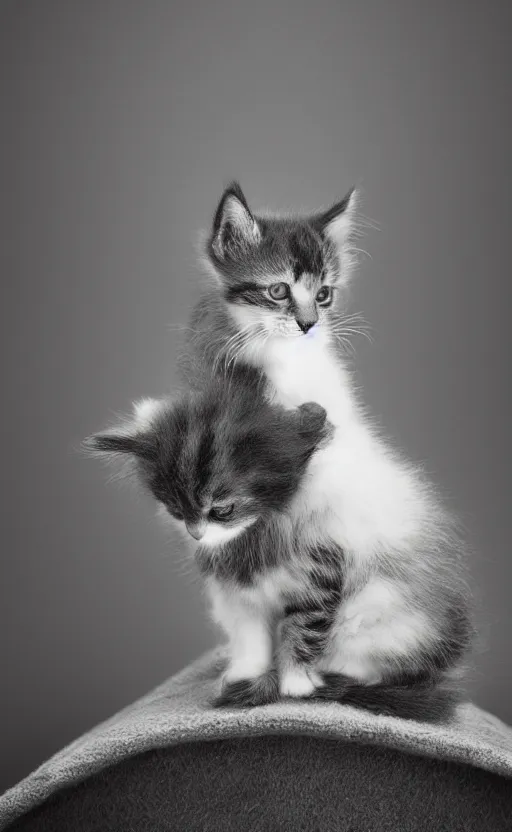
300 784
180 712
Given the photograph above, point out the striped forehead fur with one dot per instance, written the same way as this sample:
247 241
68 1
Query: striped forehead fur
225 443
229 439
294 245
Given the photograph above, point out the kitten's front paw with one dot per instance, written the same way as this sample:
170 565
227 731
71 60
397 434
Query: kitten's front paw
299 682
249 693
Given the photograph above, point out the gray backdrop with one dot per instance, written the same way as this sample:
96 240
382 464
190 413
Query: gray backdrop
121 123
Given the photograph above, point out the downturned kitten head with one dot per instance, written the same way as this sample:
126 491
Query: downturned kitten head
218 460
280 275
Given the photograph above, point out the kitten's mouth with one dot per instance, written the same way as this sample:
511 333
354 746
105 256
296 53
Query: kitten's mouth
311 333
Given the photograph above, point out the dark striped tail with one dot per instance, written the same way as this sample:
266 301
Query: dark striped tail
422 701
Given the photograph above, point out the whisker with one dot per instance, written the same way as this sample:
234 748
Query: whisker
361 251
249 341
181 327
363 332
231 344
247 337
362 222
354 323
235 345
345 344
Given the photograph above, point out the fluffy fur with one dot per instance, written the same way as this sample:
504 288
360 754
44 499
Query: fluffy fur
396 610
280 597
221 462
324 552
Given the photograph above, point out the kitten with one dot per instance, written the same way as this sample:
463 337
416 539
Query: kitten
405 608
274 302
225 465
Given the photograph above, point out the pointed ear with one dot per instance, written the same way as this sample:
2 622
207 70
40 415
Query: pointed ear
111 443
234 227
136 444
337 222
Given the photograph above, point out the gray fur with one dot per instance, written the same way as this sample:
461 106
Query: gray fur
252 251
225 441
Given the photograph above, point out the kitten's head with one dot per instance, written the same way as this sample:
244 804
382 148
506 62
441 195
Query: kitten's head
280 275
219 460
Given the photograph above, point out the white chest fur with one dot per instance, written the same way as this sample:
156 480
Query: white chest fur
357 491
303 370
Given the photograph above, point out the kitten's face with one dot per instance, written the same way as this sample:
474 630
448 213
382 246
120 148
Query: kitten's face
280 276
219 461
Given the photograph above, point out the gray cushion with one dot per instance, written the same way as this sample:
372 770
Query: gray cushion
414 759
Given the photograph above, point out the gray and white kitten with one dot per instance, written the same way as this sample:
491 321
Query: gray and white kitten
404 609
226 465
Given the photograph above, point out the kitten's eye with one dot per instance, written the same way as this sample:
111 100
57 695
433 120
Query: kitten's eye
174 512
279 291
324 294
222 512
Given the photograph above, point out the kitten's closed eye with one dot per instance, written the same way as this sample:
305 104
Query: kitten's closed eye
222 512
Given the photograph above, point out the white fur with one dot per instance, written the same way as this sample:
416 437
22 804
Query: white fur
146 410
298 682
368 499
302 369
360 494
301 293
371 626
248 615
215 534
357 492
250 317
248 630
267 591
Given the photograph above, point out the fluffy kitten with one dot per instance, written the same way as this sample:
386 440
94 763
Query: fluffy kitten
226 466
277 281
403 616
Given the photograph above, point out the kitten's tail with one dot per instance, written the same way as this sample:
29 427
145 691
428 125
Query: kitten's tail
422 701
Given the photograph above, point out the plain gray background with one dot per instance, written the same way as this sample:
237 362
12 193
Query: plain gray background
121 122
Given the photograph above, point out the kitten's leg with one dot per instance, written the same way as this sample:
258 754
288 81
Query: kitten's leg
378 630
248 679
305 630
303 637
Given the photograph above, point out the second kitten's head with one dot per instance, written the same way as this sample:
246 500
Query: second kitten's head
279 275
220 460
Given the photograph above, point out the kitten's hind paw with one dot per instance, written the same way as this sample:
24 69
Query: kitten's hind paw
299 682
249 693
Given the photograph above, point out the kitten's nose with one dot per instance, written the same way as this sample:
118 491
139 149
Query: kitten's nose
306 325
197 530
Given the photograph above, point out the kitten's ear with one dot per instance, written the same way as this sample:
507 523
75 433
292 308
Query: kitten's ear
337 222
312 419
112 443
234 227
127 440
135 437
119 443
